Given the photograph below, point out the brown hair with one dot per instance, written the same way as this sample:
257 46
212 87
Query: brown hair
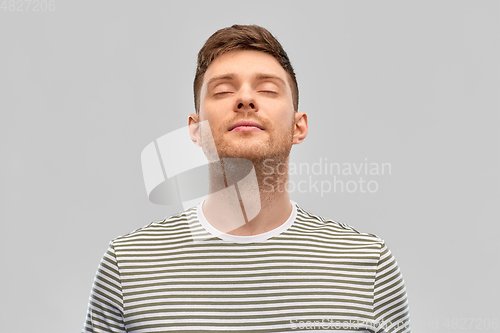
242 37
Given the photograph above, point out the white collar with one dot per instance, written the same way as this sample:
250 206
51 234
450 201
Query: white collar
246 239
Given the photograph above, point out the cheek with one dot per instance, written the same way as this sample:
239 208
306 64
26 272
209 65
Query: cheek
215 118
283 114
282 105
215 109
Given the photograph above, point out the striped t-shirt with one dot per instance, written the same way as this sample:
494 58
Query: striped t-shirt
309 274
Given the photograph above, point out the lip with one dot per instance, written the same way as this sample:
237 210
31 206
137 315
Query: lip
245 126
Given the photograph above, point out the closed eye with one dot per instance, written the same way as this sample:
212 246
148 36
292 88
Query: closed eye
268 91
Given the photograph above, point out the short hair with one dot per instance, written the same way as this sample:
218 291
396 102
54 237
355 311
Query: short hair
242 37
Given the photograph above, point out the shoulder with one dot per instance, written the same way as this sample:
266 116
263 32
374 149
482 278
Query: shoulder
170 227
334 229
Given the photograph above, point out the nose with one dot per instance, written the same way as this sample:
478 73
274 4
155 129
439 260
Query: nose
246 100
241 105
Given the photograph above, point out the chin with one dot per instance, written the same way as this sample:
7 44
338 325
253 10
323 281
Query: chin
242 153
254 149
253 154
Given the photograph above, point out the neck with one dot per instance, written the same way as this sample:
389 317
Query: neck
247 198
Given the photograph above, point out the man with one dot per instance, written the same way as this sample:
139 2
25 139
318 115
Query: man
247 258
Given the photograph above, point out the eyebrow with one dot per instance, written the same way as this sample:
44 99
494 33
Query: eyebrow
262 76
232 76
220 78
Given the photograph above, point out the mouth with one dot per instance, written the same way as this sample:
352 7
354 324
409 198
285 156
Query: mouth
246 126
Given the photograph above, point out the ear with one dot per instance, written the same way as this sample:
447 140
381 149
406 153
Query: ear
194 129
301 127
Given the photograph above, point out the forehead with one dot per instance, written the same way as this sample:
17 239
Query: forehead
245 64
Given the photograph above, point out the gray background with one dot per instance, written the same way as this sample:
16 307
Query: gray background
86 87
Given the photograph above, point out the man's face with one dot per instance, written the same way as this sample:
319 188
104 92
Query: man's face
247 100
